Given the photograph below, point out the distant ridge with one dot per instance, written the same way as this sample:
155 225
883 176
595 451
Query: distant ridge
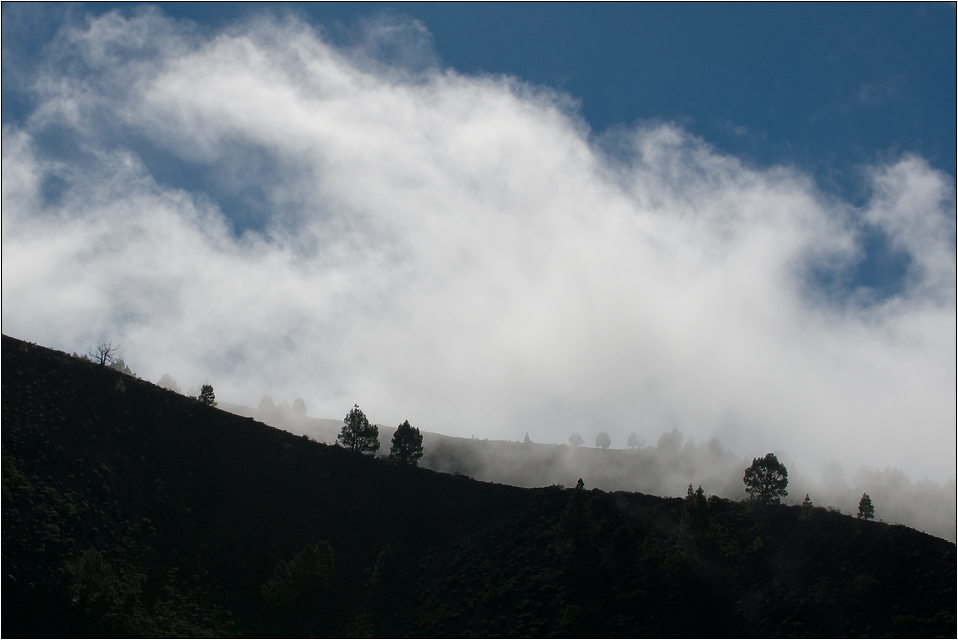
135 511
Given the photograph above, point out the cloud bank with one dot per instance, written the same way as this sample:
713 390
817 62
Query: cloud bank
262 209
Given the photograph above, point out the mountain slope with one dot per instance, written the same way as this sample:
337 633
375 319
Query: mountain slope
663 470
132 510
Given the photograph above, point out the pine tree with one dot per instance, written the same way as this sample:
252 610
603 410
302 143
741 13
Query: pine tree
866 509
697 510
766 479
406 444
358 434
207 396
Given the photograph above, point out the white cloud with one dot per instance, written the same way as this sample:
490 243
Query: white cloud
459 251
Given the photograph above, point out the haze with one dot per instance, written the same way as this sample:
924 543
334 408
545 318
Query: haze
462 251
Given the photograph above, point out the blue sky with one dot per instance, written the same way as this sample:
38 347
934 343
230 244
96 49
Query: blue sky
736 220
826 87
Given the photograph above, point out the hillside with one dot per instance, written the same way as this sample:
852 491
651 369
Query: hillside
658 471
132 510
662 470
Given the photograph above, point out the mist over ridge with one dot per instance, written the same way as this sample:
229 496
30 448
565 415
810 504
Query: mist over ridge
665 468
264 210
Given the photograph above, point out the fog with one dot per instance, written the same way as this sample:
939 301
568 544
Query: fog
664 469
258 208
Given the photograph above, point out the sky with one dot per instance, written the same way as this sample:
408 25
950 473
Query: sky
734 220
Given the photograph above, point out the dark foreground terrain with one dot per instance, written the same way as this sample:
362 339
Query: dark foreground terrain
131 510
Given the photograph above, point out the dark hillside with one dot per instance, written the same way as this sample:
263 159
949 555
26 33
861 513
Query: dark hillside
131 510
663 470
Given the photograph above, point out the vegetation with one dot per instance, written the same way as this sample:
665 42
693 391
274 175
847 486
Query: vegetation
766 479
169 382
576 440
358 434
105 354
207 396
866 509
603 441
406 444
697 511
129 510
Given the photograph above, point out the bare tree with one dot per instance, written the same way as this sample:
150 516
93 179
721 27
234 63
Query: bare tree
105 354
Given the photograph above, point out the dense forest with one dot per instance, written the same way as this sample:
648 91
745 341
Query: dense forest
132 510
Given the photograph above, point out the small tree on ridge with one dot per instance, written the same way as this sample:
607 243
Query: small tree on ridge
866 510
207 396
105 354
406 444
358 434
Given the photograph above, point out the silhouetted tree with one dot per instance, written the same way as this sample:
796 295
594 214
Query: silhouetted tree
527 439
806 508
766 479
358 434
406 444
697 510
634 442
866 509
207 396
105 354
576 440
603 440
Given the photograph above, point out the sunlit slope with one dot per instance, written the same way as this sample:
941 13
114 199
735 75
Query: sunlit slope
131 510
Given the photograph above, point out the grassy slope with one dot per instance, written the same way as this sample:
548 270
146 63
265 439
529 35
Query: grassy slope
193 508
